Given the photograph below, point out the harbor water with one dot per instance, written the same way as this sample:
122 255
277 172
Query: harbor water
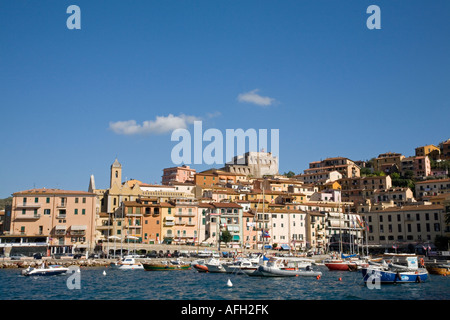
104 283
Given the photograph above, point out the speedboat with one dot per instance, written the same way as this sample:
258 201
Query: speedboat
215 265
243 266
279 267
127 263
45 271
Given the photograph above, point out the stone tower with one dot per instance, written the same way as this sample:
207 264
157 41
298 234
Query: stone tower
116 174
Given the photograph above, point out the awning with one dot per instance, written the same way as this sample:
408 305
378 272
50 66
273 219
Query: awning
60 227
78 228
285 246
236 237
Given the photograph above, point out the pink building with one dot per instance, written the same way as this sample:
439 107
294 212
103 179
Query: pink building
177 174
65 217
422 166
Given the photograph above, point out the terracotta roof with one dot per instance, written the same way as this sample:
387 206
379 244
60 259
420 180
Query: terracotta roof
53 191
226 205
412 208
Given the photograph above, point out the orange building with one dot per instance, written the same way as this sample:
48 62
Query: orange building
213 177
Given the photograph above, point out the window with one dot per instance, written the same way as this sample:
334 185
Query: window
399 228
76 211
84 200
24 211
47 200
36 200
83 211
46 211
76 200
418 227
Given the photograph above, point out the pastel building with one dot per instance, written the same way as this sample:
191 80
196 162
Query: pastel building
177 174
65 217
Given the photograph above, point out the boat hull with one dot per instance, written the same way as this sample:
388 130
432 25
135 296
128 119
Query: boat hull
266 271
370 274
165 267
200 268
337 266
45 272
440 270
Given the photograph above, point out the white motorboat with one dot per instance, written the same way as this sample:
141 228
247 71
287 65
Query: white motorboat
215 265
243 266
127 263
45 271
279 267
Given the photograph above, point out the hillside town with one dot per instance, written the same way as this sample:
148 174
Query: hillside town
336 204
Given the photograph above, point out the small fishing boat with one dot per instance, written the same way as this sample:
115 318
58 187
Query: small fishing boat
127 263
165 266
45 271
395 273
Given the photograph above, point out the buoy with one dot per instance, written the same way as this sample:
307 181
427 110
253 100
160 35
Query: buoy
229 283
104 272
318 277
340 279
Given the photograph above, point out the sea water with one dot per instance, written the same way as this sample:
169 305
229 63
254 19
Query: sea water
192 285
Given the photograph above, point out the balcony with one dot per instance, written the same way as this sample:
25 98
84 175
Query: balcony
62 205
184 214
169 223
28 217
61 216
28 205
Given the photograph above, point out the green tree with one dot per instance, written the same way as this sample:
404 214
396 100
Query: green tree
226 236
289 174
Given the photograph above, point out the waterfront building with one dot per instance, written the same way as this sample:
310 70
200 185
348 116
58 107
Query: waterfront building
66 218
109 202
185 211
407 225
229 217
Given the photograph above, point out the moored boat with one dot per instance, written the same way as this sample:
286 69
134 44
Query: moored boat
215 265
279 267
438 268
127 263
165 266
395 273
241 266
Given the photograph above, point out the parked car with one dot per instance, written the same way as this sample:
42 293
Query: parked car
152 254
78 255
37 256
17 256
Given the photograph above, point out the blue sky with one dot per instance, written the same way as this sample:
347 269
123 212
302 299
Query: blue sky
330 85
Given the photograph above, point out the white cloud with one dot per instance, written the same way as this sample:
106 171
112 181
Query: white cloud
253 97
160 125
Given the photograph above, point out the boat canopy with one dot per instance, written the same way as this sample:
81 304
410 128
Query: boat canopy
349 256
